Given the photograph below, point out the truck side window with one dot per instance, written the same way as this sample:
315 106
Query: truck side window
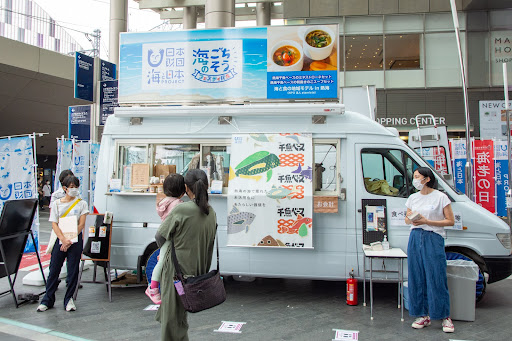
384 172
215 162
182 156
128 155
436 157
325 166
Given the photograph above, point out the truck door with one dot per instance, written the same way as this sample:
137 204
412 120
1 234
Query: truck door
385 172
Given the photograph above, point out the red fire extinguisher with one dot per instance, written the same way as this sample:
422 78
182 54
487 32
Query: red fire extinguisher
352 289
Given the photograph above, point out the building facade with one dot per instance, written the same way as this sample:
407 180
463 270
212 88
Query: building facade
408 50
27 22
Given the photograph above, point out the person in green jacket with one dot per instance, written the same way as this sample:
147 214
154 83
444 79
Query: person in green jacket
193 226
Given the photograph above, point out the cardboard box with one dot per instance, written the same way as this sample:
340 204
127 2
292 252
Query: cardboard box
163 170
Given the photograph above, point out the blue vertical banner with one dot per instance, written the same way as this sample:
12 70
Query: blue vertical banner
459 161
79 122
95 153
108 99
64 159
80 167
108 71
84 77
501 176
17 178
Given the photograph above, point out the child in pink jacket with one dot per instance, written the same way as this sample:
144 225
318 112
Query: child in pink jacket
174 189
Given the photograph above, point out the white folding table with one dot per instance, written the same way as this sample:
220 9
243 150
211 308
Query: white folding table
393 253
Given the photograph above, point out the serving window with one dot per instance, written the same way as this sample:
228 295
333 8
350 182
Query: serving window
326 170
145 162
139 166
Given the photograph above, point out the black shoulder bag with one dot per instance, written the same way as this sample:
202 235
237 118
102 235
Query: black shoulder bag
200 292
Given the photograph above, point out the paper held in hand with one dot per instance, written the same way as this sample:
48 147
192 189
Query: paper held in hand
69 227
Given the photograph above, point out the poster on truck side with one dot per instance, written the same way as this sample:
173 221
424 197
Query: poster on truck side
270 192
230 65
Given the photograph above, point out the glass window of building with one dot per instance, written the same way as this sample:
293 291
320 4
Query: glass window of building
402 51
8 12
21 34
363 53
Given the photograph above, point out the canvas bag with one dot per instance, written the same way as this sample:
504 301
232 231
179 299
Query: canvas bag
53 235
202 292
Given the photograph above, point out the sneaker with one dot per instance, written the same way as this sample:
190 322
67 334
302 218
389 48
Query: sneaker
421 322
42 308
154 295
71 305
448 325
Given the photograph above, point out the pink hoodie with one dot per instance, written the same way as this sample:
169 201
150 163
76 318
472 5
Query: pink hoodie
166 205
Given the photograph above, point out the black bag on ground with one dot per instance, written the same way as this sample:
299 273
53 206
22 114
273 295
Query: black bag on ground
200 292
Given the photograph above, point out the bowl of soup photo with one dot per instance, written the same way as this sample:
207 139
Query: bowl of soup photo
318 42
286 55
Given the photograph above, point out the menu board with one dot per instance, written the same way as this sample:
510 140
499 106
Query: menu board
140 175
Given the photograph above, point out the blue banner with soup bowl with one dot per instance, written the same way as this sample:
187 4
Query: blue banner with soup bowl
229 64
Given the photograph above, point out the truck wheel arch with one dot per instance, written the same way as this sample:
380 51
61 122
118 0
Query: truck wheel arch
144 258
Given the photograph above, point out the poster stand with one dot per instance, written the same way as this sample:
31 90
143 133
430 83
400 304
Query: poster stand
15 227
97 242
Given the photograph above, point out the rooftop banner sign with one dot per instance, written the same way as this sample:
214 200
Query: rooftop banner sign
229 64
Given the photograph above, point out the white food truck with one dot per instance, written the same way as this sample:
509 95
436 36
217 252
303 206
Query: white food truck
355 159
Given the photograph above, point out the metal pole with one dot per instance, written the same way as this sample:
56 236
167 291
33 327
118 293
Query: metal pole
469 174
507 110
219 13
263 13
118 24
189 17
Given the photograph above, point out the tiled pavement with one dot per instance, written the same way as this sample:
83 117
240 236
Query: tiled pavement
273 309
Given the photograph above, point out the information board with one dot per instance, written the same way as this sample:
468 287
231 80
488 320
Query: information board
108 99
108 71
97 237
84 77
79 122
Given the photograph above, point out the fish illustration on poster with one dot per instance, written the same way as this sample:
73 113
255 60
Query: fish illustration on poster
17 177
270 192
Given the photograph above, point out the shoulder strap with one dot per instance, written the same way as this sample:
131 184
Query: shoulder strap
175 260
70 208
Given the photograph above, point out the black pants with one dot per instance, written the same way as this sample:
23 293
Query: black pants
73 257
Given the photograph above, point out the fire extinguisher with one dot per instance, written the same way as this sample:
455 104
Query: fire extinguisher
352 289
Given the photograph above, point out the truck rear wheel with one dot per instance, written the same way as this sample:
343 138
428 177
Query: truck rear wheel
481 283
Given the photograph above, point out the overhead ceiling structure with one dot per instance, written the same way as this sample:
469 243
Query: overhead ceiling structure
36 88
172 10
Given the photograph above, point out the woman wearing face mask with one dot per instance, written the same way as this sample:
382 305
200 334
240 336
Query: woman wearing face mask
70 206
426 259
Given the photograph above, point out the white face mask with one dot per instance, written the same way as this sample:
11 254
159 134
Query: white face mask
417 184
73 192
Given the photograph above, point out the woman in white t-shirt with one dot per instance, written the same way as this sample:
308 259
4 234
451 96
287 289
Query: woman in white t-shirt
70 206
426 258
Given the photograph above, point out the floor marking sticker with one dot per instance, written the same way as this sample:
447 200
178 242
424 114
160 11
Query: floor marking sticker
230 327
152 307
345 335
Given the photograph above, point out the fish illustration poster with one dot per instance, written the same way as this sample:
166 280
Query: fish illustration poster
270 195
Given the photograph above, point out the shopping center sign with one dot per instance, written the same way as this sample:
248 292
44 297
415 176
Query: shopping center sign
231 64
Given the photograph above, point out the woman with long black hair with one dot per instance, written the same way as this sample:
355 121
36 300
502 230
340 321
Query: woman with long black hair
428 212
192 225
